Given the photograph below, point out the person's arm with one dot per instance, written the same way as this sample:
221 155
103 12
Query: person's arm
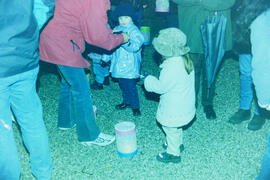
135 42
93 22
43 10
106 58
162 85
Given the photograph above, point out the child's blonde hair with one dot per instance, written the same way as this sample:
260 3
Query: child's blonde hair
188 63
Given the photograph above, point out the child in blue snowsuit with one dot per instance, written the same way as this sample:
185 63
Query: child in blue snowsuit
101 70
126 60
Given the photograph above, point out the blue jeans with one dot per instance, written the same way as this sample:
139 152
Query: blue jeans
246 88
265 167
129 92
100 71
18 93
75 103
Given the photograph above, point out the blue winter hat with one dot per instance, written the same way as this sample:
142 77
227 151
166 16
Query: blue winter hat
124 9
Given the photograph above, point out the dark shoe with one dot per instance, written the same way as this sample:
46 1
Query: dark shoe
96 86
182 147
167 158
136 112
121 106
209 112
106 81
256 123
239 116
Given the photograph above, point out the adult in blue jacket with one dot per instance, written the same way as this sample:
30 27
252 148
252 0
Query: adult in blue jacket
19 34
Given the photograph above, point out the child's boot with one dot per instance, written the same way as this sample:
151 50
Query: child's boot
106 81
167 158
136 112
96 86
165 145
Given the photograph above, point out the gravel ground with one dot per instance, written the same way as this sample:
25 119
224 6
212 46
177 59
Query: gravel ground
214 149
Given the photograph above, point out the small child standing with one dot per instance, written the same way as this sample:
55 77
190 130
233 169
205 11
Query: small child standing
101 71
126 60
176 86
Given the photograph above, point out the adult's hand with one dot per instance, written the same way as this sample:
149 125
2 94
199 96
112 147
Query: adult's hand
126 37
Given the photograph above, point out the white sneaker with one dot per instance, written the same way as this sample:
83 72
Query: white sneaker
64 129
102 140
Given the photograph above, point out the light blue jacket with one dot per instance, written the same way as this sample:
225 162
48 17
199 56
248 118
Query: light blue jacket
260 47
19 34
126 60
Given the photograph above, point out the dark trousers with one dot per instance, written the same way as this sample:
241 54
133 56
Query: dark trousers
200 73
129 92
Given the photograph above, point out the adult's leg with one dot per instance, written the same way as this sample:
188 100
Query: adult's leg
207 93
246 90
9 161
66 115
265 167
27 108
82 102
197 60
246 95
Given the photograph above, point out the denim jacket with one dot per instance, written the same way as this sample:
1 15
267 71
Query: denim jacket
19 34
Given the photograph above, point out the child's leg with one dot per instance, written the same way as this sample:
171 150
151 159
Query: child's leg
124 87
133 94
98 71
174 137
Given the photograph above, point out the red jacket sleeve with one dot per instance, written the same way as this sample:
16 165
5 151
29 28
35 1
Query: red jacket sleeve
94 27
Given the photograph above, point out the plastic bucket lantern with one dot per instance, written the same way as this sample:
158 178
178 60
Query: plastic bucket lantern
126 139
162 5
146 34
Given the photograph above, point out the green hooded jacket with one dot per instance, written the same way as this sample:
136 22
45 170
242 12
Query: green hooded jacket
191 13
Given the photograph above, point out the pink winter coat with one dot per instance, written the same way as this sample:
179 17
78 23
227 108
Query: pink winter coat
74 22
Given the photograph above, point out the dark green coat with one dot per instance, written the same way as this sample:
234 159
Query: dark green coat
191 13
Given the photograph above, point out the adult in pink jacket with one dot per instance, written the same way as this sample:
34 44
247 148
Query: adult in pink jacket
61 43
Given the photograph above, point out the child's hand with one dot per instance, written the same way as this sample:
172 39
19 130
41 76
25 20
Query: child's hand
126 37
143 76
